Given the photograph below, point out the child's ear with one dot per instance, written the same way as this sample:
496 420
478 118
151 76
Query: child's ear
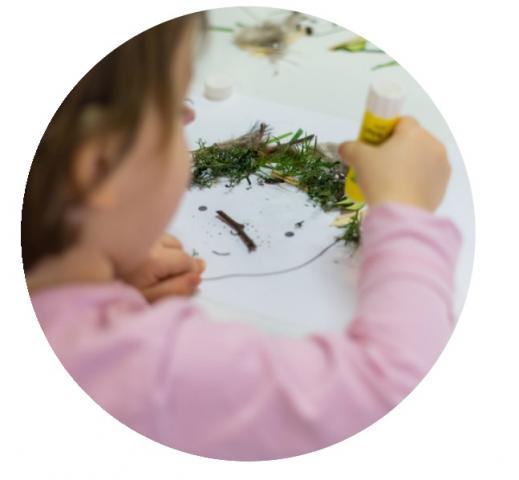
92 170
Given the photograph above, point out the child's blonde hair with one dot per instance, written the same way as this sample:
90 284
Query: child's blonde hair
109 99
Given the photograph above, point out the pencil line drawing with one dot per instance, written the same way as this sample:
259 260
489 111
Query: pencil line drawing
275 272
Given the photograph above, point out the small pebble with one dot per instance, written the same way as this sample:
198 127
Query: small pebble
289 234
202 208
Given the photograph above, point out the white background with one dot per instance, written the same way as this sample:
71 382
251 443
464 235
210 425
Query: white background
460 422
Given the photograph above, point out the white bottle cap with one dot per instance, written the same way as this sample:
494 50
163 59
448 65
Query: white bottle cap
385 98
218 87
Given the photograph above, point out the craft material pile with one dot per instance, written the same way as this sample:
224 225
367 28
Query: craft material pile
298 161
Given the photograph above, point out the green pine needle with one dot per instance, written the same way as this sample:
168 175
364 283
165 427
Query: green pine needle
351 233
215 28
279 137
391 63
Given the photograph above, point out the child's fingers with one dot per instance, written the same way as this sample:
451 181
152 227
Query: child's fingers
170 241
201 264
353 152
172 262
404 124
181 285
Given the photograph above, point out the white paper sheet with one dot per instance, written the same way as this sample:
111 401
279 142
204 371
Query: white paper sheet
318 297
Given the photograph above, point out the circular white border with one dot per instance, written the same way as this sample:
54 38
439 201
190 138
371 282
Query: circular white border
460 422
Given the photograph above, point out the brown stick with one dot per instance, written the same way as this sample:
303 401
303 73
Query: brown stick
238 228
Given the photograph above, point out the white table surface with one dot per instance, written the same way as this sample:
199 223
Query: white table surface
312 76
320 88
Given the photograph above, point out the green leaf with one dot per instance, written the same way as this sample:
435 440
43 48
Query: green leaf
357 44
356 206
297 135
279 137
391 63
346 202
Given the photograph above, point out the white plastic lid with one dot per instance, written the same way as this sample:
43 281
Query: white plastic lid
385 98
218 87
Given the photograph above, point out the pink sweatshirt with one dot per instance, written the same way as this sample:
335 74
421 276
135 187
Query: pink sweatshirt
232 392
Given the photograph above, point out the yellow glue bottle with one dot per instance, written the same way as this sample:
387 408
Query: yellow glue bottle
383 108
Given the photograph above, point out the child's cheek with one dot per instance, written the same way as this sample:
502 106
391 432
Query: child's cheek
180 172
184 165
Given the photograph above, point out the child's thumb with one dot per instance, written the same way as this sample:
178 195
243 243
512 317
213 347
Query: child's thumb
351 152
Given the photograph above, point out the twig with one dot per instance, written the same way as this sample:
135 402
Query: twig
238 228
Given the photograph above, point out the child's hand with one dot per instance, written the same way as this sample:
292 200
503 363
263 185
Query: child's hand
410 167
168 271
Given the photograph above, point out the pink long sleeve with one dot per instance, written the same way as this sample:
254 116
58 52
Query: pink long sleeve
228 390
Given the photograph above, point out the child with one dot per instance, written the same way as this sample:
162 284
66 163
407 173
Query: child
107 177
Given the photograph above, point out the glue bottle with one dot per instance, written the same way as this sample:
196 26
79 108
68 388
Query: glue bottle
383 109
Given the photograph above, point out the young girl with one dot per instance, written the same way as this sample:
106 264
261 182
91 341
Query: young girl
111 294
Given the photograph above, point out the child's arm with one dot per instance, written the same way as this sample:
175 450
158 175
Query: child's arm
235 393
232 392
